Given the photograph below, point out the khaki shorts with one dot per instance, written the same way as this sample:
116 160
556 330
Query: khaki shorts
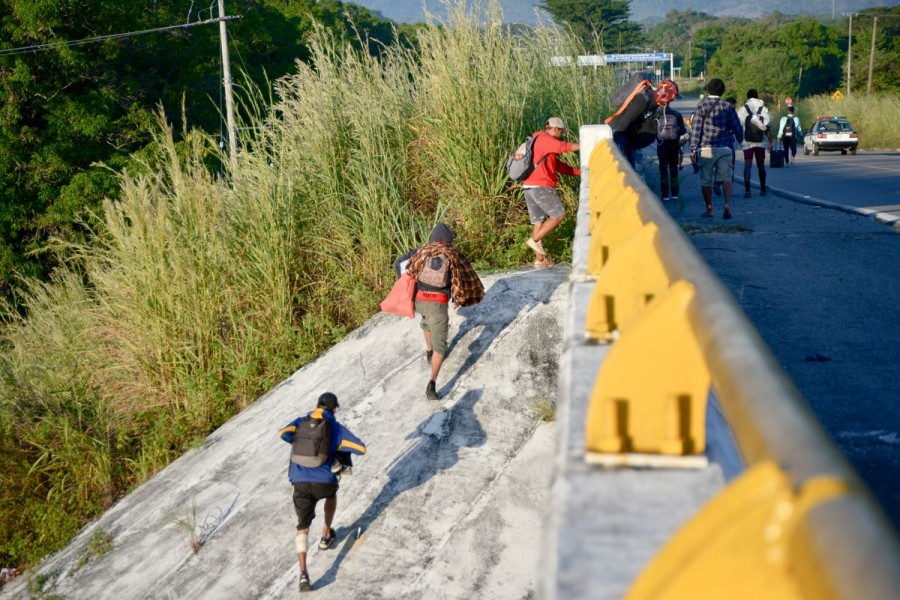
717 168
436 321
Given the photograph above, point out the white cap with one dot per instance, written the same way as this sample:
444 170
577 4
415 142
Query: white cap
556 122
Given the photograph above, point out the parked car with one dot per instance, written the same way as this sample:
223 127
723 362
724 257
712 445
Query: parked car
831 133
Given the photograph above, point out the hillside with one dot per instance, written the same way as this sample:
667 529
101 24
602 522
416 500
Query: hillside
524 11
448 503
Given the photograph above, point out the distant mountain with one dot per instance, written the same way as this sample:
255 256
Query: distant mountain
525 11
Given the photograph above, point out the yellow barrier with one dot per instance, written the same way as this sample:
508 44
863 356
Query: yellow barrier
741 545
630 280
650 394
619 221
805 530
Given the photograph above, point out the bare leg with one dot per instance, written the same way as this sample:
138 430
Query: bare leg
726 187
707 197
301 556
427 340
436 361
542 229
330 509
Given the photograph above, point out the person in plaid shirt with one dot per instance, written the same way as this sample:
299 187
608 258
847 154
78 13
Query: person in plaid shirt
462 286
715 127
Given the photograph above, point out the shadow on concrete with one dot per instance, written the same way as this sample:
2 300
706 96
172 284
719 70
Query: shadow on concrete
438 439
492 316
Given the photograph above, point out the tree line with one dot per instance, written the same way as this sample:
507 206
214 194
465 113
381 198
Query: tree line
73 115
778 54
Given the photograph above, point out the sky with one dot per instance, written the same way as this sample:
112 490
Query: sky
524 10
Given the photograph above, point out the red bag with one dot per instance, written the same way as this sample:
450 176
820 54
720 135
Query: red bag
400 300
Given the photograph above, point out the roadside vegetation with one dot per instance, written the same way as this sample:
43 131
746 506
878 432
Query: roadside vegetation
873 117
193 291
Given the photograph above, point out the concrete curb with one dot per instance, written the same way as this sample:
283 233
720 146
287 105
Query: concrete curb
881 217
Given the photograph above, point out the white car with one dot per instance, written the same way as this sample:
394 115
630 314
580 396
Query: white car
831 133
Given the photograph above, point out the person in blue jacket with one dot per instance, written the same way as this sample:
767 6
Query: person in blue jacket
312 484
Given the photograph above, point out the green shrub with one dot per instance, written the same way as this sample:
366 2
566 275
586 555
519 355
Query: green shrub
873 117
199 290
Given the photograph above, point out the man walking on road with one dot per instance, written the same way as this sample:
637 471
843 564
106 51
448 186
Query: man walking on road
788 132
754 118
545 208
715 126
316 441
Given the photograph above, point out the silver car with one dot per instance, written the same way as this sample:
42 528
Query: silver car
831 133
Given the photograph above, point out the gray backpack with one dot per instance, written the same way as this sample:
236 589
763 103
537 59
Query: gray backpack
521 164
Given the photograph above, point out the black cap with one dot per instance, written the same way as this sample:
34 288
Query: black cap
328 401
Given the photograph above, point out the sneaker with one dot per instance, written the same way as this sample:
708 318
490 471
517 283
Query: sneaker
304 583
726 214
764 191
666 198
428 354
536 246
327 542
708 214
430 391
542 264
747 194
674 198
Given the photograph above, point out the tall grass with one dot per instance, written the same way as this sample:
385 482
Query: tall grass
873 117
199 291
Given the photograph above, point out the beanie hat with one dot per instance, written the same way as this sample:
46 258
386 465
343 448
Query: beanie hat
328 401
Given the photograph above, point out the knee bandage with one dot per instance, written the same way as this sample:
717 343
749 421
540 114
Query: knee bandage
302 540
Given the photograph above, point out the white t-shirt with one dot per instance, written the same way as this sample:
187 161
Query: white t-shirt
753 104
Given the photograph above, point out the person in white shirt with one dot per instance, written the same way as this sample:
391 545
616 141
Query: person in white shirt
757 137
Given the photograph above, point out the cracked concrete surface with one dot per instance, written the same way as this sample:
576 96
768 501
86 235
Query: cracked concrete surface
448 503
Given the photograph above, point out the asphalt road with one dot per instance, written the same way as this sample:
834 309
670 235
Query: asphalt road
822 288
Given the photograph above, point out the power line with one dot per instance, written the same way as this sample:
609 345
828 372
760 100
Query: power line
104 38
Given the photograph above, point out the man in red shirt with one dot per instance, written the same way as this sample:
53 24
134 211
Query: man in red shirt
545 208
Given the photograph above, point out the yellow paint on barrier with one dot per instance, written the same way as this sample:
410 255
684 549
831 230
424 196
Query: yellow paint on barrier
630 280
618 222
650 393
739 546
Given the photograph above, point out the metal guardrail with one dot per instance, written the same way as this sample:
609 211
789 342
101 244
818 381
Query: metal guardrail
799 523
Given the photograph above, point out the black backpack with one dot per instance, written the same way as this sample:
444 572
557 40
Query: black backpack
789 126
312 442
752 133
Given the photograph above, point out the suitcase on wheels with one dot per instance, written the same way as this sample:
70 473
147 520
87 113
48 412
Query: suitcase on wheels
776 157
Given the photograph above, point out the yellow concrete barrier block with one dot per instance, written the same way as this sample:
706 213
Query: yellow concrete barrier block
599 164
605 187
619 221
630 280
601 156
740 545
650 392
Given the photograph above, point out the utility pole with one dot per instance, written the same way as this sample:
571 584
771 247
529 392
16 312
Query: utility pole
229 96
849 49
690 58
871 58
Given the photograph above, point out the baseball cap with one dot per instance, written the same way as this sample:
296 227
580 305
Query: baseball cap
556 122
328 401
